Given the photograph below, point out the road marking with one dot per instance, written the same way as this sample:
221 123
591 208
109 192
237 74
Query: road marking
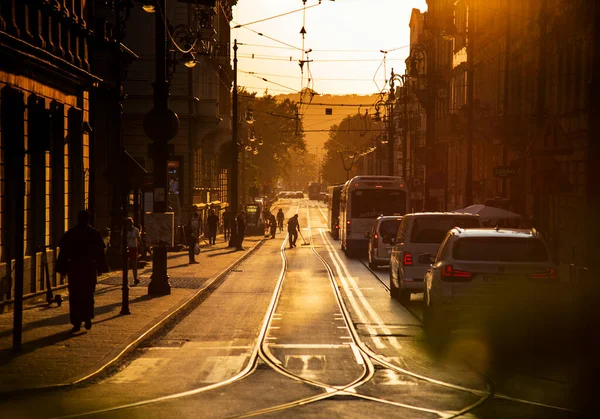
377 341
307 345
138 370
224 367
355 351
349 278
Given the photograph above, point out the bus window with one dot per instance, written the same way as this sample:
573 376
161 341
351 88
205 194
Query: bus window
371 203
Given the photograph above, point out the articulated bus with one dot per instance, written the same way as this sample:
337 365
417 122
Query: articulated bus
362 200
333 210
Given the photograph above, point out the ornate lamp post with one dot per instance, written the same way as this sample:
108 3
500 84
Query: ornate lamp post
352 156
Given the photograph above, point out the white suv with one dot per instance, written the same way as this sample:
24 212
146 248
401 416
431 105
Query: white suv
420 233
482 269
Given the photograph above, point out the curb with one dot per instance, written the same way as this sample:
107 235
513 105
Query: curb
196 298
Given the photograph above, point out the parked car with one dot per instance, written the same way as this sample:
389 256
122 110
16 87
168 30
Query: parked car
324 196
299 194
420 233
381 237
475 269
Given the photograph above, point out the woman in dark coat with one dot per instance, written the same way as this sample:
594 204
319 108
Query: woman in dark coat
81 257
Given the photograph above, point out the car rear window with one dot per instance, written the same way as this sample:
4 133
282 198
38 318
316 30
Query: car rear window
433 229
500 249
389 228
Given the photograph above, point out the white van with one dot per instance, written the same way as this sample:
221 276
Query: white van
418 234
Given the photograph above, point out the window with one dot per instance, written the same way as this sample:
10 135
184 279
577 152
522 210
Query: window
433 229
500 249
371 203
401 231
389 229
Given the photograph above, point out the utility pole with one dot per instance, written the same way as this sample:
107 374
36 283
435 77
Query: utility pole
543 209
234 193
391 128
470 87
161 124
405 129
506 96
593 156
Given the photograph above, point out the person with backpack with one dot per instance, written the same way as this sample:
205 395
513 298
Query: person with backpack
293 229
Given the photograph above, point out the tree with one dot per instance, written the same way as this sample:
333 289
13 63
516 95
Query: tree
277 133
350 138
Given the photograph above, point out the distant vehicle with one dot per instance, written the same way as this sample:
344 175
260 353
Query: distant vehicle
254 218
298 194
323 196
333 210
381 238
362 200
420 233
476 268
314 190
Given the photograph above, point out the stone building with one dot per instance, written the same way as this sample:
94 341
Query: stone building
46 175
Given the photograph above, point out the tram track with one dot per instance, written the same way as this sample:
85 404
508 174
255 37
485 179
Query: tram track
492 394
371 360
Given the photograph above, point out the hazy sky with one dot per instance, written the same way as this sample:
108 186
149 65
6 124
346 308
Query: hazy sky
346 37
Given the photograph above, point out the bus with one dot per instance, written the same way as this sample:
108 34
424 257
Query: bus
362 200
333 210
314 190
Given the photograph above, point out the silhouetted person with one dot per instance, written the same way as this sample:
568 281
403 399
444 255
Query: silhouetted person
133 243
213 222
280 218
227 218
241 229
81 258
193 231
272 225
293 229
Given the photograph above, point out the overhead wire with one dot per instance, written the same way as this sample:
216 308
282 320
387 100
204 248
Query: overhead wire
274 17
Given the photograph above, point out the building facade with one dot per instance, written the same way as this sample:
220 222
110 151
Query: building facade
531 74
46 173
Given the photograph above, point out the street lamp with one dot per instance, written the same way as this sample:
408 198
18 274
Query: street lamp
351 155
161 124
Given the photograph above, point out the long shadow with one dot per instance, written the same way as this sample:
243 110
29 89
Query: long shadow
223 253
63 319
7 356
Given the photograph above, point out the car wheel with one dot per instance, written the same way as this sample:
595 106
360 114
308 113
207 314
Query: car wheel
404 297
372 265
393 289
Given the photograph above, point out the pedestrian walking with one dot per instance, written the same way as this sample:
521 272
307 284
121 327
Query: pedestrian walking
132 235
241 229
272 224
192 236
293 229
81 258
213 223
227 224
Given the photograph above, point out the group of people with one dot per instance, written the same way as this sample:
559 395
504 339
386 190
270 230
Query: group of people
193 231
274 222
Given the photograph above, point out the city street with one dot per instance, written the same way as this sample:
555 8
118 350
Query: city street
302 332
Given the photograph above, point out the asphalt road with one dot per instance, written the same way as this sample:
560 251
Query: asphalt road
303 332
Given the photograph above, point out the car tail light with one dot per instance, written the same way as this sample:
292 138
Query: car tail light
455 275
407 260
375 241
348 223
548 274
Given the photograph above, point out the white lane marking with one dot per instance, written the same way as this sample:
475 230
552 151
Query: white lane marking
138 370
343 327
377 319
202 348
224 367
307 345
274 327
355 306
357 356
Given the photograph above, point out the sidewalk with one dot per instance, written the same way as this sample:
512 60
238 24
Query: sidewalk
51 356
